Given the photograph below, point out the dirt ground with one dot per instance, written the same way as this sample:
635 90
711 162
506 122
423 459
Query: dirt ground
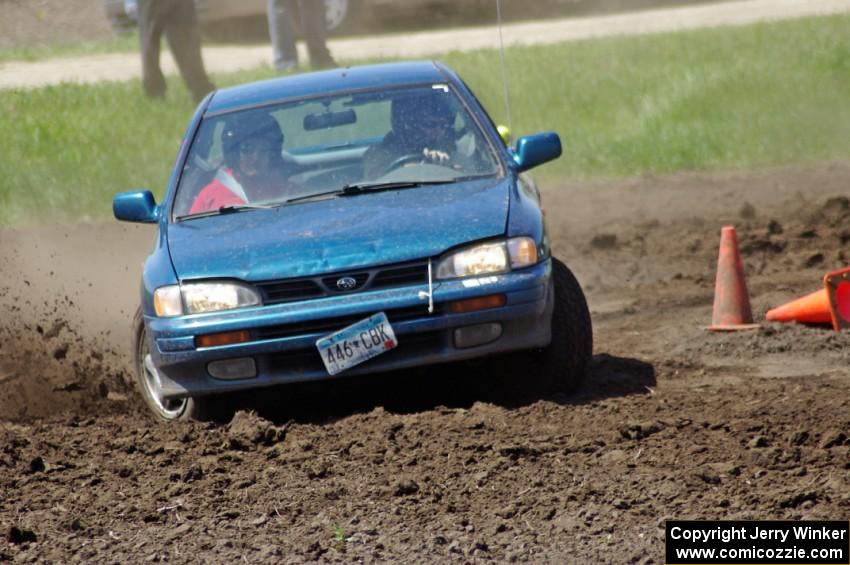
437 465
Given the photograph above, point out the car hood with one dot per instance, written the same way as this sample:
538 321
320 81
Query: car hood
338 234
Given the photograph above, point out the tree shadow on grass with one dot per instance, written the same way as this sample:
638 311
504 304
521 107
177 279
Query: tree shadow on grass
451 386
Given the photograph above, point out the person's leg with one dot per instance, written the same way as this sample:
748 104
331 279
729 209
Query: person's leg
313 29
150 36
184 39
284 53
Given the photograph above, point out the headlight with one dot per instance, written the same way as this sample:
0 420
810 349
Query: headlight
209 297
523 252
489 258
203 297
167 302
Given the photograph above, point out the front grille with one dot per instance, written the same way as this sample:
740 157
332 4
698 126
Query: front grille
328 325
288 291
391 276
401 276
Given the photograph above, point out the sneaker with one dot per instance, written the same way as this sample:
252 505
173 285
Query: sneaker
286 66
319 64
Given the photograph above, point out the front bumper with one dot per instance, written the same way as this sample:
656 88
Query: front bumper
284 335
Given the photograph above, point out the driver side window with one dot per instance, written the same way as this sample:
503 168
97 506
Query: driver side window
206 157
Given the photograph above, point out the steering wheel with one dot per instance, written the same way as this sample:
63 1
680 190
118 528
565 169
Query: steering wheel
401 162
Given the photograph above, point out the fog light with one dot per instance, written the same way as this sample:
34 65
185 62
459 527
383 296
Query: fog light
471 336
242 368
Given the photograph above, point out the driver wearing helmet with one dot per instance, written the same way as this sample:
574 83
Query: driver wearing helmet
422 131
253 169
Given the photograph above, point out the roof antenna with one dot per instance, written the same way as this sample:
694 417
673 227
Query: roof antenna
504 71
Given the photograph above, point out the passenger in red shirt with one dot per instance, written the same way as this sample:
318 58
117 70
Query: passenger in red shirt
253 169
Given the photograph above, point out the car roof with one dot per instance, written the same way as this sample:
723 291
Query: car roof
387 75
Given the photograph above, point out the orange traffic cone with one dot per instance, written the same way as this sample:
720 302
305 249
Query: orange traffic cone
830 305
837 284
731 300
811 309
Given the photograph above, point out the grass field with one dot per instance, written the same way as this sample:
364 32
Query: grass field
127 43
713 99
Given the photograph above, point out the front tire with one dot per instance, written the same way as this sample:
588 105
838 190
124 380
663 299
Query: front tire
147 380
563 364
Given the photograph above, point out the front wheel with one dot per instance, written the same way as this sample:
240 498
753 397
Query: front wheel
148 382
563 364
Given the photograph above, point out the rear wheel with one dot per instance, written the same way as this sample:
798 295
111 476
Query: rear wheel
148 382
563 364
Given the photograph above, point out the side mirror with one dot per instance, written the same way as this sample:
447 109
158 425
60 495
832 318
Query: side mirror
136 206
533 150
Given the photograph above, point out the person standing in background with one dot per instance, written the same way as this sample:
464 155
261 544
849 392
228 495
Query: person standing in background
284 53
177 19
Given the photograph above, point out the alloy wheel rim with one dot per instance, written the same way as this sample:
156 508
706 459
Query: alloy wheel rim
168 409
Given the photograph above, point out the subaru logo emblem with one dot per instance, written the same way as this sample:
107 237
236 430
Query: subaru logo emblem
346 283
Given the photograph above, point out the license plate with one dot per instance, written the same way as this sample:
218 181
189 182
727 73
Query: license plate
357 343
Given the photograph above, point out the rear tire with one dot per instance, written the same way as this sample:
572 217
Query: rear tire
198 408
563 364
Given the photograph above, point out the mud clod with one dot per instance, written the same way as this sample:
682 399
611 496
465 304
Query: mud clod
406 487
799 437
641 430
725 468
758 442
247 429
37 465
194 473
798 499
18 536
604 241
516 452
833 438
813 260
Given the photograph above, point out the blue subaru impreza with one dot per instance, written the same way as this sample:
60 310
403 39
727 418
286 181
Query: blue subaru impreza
348 222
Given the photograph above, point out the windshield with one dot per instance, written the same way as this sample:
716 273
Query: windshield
310 147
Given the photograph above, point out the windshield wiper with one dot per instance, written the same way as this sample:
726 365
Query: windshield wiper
361 187
364 187
229 209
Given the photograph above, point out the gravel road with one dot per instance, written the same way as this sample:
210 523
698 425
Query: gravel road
126 66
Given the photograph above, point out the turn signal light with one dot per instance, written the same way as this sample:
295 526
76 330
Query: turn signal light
226 338
480 303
